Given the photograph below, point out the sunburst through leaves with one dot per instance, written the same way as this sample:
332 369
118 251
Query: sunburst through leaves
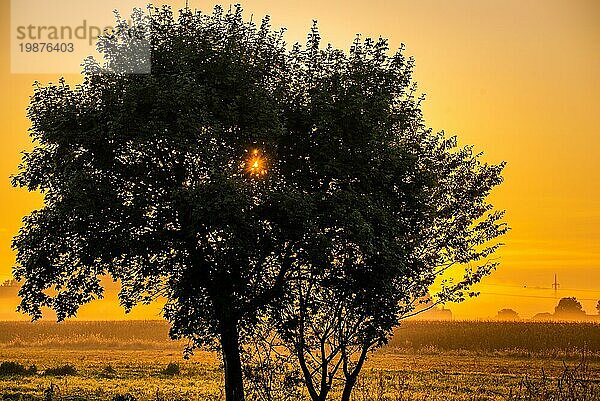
256 164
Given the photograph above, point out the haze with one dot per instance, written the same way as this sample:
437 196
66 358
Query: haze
519 79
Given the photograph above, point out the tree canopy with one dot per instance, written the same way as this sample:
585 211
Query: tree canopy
507 314
397 206
241 177
569 307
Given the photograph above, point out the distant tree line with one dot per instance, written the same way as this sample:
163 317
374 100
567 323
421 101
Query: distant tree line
568 308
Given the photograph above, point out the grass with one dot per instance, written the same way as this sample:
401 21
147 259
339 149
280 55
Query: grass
139 373
9 368
64 370
134 335
172 369
420 363
542 339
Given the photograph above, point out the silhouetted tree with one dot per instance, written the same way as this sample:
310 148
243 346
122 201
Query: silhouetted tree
569 308
507 314
397 207
598 306
240 178
159 180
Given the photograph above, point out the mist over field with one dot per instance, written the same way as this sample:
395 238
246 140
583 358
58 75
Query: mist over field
423 360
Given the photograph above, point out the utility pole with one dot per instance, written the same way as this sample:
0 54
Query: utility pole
555 285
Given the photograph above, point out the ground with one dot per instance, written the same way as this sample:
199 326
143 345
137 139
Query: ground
393 373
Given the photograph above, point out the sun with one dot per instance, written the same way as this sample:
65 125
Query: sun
256 164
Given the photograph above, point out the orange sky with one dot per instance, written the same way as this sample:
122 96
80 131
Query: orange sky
520 79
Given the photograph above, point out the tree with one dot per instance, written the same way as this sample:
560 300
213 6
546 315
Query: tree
569 308
241 180
160 180
598 306
397 207
507 314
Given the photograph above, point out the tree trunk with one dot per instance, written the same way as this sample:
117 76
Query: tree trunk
230 347
353 376
348 387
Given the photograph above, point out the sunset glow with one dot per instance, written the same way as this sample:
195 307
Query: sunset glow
518 79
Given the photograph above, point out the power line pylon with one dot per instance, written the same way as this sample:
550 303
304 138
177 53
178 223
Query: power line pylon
555 285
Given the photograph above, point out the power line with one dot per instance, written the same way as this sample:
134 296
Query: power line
578 289
526 287
530 296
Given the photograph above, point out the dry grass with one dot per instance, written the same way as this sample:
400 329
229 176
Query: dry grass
540 339
134 335
117 358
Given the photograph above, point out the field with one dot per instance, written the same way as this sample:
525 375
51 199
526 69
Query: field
424 361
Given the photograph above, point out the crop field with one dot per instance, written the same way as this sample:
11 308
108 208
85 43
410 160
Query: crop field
423 361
